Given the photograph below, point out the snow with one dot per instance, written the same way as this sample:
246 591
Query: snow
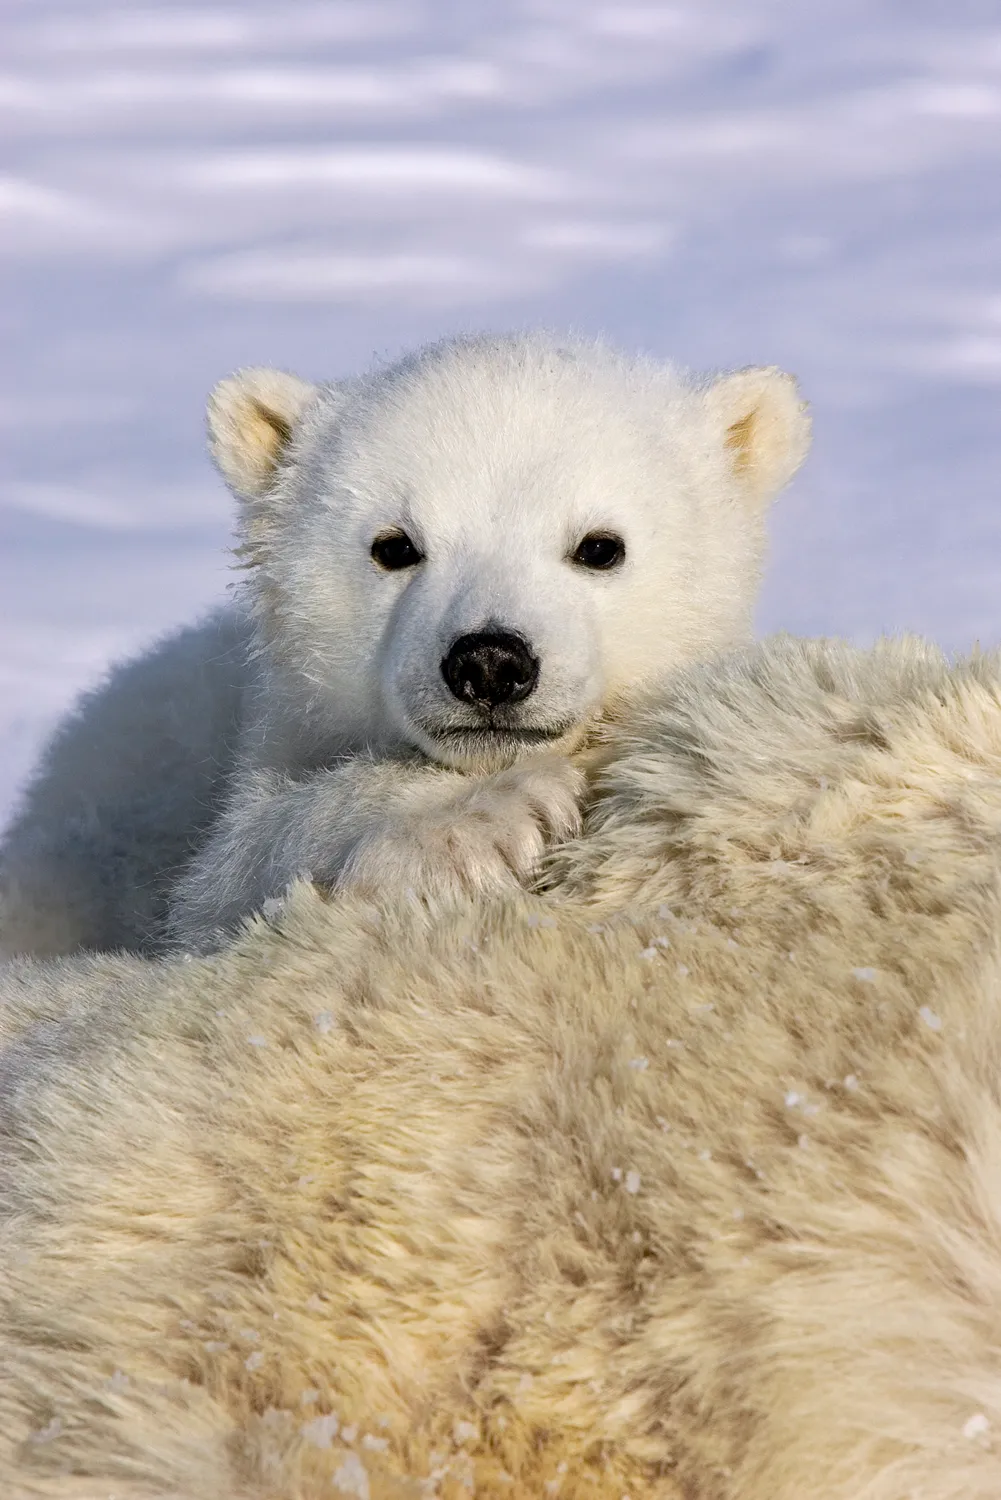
351 1478
192 188
976 1426
321 1431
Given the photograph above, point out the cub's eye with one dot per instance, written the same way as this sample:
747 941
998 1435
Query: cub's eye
600 550
394 550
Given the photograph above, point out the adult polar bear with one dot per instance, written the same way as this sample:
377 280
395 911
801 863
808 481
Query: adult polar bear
544 1199
456 566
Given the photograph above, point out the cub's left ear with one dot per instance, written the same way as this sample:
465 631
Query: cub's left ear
763 424
252 416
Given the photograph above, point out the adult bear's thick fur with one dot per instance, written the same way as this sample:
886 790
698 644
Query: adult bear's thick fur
683 1180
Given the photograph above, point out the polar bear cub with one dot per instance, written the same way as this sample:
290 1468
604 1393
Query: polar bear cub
455 568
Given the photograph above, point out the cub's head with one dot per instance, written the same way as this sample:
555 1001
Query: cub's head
481 550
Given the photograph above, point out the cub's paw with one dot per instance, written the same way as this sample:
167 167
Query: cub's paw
488 835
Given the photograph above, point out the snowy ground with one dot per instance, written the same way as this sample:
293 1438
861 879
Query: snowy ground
314 184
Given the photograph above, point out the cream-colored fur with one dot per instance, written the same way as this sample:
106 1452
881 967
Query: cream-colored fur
683 1181
352 755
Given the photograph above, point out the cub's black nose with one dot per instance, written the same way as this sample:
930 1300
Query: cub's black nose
489 668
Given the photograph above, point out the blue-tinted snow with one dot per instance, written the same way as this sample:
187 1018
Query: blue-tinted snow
313 184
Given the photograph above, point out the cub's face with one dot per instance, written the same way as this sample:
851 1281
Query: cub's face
477 553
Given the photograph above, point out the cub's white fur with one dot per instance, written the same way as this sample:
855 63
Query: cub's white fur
354 753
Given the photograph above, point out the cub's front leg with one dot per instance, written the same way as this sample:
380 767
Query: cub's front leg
382 827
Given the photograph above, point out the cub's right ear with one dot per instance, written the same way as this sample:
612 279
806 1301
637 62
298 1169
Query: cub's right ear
252 416
764 426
